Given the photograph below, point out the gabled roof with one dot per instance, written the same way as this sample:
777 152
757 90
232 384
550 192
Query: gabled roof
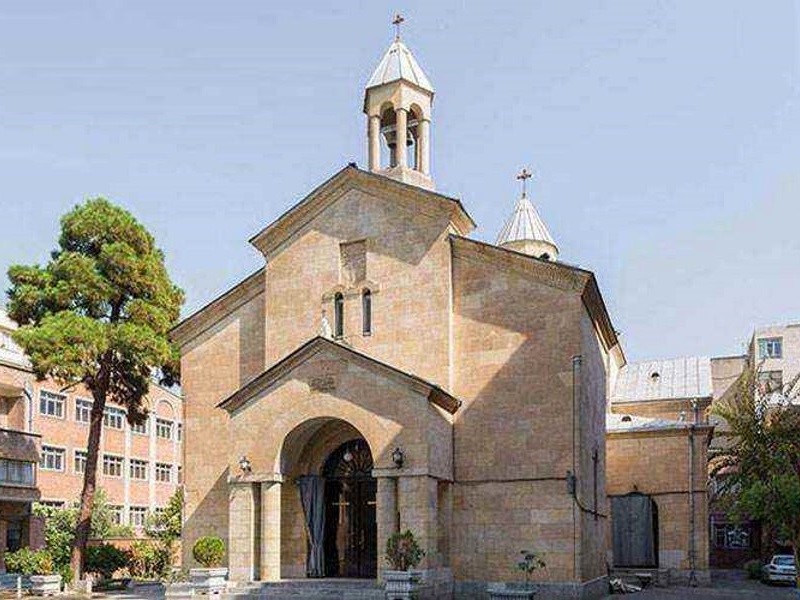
524 224
315 345
398 63
670 379
269 239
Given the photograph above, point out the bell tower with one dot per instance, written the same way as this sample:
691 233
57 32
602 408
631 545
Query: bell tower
397 101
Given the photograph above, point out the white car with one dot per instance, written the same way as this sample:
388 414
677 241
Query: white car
781 569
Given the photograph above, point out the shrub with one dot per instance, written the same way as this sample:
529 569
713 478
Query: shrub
753 569
209 551
29 562
105 559
403 551
148 560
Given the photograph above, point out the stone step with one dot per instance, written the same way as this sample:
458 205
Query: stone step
317 589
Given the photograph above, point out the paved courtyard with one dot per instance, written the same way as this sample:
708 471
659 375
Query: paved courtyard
727 585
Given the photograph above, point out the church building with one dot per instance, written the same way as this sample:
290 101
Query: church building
383 371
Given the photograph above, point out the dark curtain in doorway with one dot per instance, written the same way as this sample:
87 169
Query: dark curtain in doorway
312 496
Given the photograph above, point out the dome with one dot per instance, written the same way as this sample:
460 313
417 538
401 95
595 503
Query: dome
526 232
398 63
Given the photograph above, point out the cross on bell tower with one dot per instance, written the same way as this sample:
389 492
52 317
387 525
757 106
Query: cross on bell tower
397 101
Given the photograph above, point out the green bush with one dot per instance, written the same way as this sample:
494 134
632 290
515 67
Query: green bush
403 552
753 569
29 562
148 560
105 560
209 551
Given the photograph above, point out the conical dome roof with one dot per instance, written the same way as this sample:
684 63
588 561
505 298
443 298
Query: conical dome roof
525 231
398 63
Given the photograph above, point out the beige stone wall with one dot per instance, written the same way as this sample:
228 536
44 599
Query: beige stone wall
657 464
593 505
514 339
214 365
406 270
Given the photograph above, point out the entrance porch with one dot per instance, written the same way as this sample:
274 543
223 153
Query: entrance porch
314 489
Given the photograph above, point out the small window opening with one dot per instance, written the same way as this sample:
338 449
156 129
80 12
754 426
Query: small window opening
366 312
626 419
338 315
655 376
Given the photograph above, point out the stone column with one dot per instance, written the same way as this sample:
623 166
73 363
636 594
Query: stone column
241 531
270 530
424 146
386 515
417 502
401 147
374 142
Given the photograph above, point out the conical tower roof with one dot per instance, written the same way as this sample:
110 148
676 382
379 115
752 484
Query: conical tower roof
525 231
398 63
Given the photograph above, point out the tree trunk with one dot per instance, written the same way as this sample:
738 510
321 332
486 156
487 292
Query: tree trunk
84 524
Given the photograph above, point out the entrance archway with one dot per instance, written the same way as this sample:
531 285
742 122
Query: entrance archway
328 509
351 533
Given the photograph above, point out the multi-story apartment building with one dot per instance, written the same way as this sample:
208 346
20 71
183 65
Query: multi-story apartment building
43 434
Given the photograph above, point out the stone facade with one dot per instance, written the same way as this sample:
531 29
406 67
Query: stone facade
487 367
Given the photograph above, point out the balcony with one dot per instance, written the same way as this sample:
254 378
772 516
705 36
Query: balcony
19 457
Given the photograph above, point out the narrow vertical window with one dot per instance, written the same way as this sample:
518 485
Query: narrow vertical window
338 315
366 312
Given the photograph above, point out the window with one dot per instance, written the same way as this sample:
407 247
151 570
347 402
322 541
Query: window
80 461
16 472
770 348
141 428
366 312
180 474
770 382
51 404
164 428
138 468
164 472
338 315
52 503
83 410
115 513
179 432
113 417
137 516
730 536
112 465
52 459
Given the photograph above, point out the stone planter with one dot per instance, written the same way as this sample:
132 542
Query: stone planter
506 591
45 585
401 585
209 581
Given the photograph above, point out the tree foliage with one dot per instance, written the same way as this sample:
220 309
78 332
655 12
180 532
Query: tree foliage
757 463
98 313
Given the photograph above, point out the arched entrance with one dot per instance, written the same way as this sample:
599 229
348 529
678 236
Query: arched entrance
351 535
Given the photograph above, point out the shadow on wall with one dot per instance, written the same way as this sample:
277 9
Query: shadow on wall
214 520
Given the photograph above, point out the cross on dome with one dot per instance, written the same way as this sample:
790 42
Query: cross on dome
397 21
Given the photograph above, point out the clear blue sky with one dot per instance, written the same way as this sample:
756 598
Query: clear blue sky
665 136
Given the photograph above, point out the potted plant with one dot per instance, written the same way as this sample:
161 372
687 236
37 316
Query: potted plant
529 563
209 551
403 553
37 565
